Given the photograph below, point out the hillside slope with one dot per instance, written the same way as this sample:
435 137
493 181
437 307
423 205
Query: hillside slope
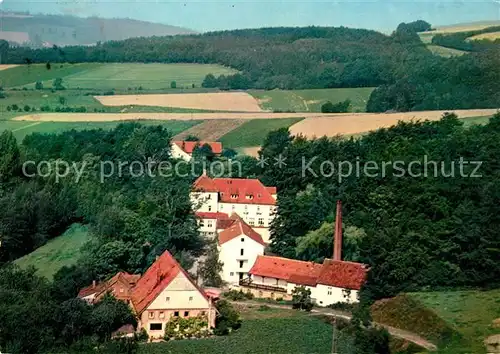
47 30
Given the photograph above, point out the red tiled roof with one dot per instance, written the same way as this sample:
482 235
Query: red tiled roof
291 270
223 224
189 146
343 274
155 280
272 190
238 228
210 215
205 184
91 289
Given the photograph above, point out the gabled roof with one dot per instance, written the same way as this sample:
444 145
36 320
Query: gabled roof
124 277
205 184
238 228
291 270
343 274
340 274
156 279
189 146
237 190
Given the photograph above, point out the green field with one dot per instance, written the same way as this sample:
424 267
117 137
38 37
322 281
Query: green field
23 128
147 76
280 332
26 74
470 312
61 251
311 100
253 132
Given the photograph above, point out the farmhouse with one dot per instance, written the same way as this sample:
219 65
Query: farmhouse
166 291
331 282
120 286
239 246
184 149
249 198
163 292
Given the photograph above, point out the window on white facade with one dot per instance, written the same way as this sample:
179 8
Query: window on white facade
261 221
241 264
251 221
231 274
186 313
329 293
190 298
151 315
201 223
242 251
209 208
167 298
162 314
176 314
233 207
209 224
242 239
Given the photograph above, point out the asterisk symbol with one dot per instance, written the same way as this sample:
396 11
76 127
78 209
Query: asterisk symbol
262 161
280 161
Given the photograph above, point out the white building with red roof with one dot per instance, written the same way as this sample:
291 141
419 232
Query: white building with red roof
184 149
213 198
331 282
239 246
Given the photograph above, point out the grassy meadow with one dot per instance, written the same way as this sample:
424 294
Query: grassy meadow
470 312
23 128
118 76
311 100
58 252
253 132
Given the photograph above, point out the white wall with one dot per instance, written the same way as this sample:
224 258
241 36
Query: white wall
230 255
178 153
208 227
204 201
327 295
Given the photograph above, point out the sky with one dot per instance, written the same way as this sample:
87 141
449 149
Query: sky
209 15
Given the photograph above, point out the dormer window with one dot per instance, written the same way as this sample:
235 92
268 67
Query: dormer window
234 196
249 196
259 195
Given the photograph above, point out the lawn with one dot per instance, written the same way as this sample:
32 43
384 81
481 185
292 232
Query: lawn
253 132
470 312
61 251
23 128
475 120
280 332
25 74
311 100
148 76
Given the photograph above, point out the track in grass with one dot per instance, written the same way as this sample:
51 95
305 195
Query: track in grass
58 252
311 100
148 76
252 133
23 128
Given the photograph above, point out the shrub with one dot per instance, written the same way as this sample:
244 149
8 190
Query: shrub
9 108
264 308
183 328
340 107
236 295
62 100
27 108
39 85
342 306
109 93
173 84
301 298
227 320
2 94
15 107
45 108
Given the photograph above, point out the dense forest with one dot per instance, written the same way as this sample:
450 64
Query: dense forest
415 230
408 75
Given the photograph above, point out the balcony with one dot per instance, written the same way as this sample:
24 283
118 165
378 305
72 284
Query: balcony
249 284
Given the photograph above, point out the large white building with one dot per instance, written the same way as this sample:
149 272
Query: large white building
239 246
249 198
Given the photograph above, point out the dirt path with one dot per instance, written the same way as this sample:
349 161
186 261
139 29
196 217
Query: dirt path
7 66
396 332
211 130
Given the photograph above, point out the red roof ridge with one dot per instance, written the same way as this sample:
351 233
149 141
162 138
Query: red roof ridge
232 232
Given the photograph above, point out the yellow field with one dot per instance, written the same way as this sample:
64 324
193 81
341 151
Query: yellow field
7 66
489 36
223 101
364 122
464 27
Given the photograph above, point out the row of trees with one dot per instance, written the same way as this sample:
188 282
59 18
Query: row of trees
432 226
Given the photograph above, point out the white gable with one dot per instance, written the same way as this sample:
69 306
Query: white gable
179 294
